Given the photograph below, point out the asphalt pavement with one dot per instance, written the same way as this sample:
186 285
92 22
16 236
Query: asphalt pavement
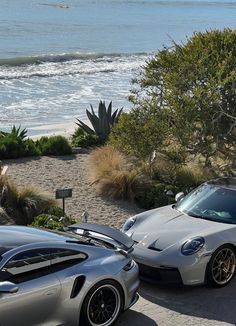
169 306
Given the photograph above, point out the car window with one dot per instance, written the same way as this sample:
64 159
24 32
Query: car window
63 258
210 202
26 266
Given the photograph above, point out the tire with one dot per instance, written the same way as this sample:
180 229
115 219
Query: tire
103 304
221 267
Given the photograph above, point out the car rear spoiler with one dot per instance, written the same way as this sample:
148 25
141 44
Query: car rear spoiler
104 233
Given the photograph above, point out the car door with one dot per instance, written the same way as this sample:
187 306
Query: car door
36 292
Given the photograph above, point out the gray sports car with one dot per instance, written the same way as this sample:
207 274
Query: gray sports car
191 242
82 277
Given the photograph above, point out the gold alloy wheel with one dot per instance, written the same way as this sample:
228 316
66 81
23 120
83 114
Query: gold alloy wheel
223 266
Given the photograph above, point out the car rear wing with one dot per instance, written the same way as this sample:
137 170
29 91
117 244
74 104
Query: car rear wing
103 233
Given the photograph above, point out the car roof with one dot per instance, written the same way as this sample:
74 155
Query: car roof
228 182
14 236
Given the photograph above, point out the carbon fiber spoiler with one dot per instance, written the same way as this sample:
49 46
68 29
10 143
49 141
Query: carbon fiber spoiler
93 230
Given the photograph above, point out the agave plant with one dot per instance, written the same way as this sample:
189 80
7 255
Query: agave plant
101 123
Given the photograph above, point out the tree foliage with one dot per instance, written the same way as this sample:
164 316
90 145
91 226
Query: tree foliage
190 89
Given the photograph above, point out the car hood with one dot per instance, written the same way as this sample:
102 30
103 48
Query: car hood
166 226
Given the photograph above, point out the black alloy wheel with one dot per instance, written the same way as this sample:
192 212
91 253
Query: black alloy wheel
103 304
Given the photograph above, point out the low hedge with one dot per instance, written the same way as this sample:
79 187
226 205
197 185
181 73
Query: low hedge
54 145
156 196
15 144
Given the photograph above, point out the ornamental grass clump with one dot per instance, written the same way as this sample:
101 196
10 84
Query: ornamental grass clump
114 175
4 218
190 176
22 205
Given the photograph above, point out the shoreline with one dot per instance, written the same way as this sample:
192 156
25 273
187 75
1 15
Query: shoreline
65 129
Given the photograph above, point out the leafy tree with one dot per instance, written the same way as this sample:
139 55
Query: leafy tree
191 87
139 133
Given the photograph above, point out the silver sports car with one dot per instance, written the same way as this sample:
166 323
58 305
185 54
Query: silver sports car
191 242
82 277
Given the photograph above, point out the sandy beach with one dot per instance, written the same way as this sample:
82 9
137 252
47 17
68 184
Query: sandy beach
51 173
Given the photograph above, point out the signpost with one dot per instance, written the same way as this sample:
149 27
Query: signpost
62 194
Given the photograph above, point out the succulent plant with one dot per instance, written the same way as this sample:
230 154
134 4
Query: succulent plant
101 123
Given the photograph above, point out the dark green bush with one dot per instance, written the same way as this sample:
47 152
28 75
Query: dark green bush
82 139
31 148
156 196
55 211
48 222
52 222
13 145
53 145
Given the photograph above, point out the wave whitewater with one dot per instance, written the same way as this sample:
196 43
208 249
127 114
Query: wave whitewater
37 60
68 64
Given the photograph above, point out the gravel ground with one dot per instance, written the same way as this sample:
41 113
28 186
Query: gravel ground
51 173
199 306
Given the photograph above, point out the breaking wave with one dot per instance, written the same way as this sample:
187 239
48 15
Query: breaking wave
68 64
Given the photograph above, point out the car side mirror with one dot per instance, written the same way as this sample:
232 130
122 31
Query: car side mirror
179 196
8 287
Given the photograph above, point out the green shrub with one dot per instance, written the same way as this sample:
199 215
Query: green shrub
53 145
31 148
48 222
14 144
52 222
156 196
82 139
55 211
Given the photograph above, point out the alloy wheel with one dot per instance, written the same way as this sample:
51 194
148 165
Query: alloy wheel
104 305
223 266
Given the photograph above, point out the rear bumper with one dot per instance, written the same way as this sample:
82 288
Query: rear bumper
134 300
168 276
130 283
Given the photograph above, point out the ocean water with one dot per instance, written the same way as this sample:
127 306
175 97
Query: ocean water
58 57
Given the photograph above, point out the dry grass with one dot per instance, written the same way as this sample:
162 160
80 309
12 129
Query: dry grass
191 175
188 175
4 218
113 175
22 205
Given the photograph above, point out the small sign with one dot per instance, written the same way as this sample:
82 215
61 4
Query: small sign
63 193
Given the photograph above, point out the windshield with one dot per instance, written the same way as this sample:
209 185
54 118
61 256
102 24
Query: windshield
210 202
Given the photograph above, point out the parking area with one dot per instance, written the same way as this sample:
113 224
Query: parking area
164 306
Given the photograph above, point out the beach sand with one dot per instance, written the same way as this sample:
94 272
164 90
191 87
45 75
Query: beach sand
51 173
65 129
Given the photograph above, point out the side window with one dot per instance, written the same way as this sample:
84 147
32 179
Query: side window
63 258
27 266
